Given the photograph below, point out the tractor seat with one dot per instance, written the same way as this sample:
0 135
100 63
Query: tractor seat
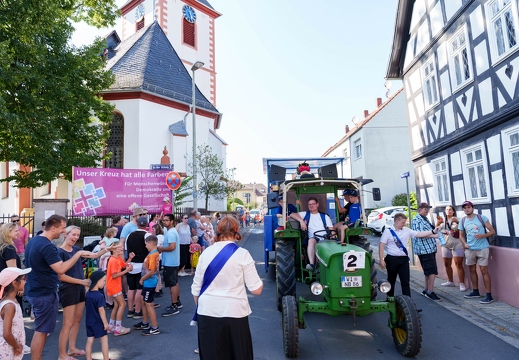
294 224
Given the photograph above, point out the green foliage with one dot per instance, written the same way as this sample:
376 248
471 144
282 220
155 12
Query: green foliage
51 113
401 200
232 203
211 174
185 190
90 226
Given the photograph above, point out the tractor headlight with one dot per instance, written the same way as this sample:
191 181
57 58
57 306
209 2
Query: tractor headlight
384 286
316 288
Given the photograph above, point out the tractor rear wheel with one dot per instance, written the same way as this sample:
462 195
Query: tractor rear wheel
407 332
285 270
290 327
362 242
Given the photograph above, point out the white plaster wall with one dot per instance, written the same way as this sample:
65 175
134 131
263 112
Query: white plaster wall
451 6
498 187
436 18
481 57
477 22
485 96
459 192
339 153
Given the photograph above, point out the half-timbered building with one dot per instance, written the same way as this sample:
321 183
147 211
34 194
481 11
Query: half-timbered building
459 62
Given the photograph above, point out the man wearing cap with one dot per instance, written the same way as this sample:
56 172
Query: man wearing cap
474 236
290 208
426 249
137 246
131 226
354 213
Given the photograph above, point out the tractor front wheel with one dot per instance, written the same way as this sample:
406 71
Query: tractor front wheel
285 270
290 327
407 332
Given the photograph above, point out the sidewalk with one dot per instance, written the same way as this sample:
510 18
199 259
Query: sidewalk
497 313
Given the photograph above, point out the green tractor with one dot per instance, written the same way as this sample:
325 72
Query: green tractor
344 274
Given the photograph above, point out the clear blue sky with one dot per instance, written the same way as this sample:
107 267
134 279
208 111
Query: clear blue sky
292 74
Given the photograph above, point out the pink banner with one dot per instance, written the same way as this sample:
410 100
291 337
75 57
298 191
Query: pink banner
98 191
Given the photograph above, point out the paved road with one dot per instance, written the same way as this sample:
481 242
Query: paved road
446 334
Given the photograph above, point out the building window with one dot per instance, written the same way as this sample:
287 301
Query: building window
115 143
42 190
358 149
189 32
475 173
139 24
430 84
511 154
460 60
502 18
441 180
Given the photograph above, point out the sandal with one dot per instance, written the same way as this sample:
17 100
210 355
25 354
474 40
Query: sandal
77 353
197 351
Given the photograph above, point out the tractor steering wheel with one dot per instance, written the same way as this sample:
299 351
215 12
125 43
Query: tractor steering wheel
325 234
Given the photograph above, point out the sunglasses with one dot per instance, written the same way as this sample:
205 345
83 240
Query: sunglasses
15 221
184 218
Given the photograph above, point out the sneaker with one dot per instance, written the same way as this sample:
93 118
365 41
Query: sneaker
151 331
179 304
130 314
156 305
183 274
463 287
472 295
111 329
137 315
171 310
448 283
487 300
26 350
141 326
432 296
109 307
310 267
424 293
121 331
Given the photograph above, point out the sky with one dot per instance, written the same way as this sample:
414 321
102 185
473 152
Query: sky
291 74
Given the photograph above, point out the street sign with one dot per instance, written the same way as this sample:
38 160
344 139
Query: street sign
162 166
173 180
404 175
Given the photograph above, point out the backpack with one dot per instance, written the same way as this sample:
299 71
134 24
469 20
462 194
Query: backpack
323 218
489 239
92 245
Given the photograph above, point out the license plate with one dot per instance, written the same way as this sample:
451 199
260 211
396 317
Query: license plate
351 281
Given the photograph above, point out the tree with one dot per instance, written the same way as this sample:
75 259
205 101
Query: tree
211 174
232 186
185 189
401 200
51 113
232 203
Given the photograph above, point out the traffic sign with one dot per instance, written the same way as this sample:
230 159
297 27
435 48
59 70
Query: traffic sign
161 167
404 175
173 180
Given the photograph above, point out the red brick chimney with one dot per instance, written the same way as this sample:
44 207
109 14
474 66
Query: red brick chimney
347 129
379 102
366 113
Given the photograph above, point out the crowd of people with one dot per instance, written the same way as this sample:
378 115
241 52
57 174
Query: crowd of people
130 258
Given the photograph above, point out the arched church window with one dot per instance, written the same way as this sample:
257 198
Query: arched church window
189 32
115 143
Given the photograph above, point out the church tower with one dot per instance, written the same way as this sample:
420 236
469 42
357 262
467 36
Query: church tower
189 26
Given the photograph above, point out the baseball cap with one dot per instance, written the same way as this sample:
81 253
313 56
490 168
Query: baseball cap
354 193
165 198
142 221
95 277
467 203
138 211
346 192
424 205
9 274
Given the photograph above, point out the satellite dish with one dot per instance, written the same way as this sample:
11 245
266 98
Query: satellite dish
388 84
355 120
388 94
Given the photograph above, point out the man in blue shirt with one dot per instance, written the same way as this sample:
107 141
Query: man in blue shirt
171 261
354 214
474 236
42 282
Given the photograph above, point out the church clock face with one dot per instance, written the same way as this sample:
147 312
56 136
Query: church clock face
189 13
139 12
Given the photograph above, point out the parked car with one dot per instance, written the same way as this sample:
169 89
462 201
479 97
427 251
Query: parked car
378 219
255 212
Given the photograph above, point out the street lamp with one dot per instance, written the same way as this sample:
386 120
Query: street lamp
197 65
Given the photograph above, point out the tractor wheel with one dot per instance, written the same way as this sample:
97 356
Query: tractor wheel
364 243
407 332
285 270
290 327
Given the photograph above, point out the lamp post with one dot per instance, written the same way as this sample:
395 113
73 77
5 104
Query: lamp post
197 65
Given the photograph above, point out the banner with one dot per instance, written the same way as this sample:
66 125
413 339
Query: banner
99 191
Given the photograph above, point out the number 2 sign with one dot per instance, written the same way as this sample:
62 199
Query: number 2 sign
353 260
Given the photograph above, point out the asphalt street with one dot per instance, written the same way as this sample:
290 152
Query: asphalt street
447 333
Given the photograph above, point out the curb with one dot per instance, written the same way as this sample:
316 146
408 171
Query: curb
416 282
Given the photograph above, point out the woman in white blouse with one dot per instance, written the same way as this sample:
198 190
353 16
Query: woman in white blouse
223 309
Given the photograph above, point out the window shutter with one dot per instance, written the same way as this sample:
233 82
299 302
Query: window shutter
140 24
189 32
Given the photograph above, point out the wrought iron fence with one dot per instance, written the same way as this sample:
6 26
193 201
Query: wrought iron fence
27 221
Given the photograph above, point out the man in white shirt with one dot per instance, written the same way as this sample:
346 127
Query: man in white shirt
313 223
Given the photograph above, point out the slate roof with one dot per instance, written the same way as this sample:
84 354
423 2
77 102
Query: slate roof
178 128
147 62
